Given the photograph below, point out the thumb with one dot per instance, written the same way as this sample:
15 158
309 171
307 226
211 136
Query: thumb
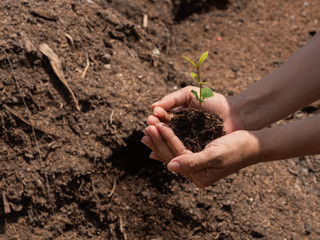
191 162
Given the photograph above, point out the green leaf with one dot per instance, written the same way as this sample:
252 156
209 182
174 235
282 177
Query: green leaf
190 61
195 76
205 82
196 95
206 93
202 58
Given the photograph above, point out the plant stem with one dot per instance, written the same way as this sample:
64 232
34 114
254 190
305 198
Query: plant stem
200 82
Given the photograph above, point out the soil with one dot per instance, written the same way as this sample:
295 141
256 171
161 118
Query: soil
196 128
72 165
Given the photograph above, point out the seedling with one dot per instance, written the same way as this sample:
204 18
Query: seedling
205 92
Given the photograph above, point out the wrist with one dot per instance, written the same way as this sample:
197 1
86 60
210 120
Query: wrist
254 107
252 149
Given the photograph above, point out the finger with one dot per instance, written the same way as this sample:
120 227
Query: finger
161 114
145 131
147 140
155 156
181 97
184 164
163 149
152 120
174 166
208 176
192 162
172 140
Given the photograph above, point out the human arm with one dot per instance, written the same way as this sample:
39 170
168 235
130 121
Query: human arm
239 149
289 88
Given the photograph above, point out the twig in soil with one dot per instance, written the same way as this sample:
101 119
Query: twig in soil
111 116
93 187
96 196
28 46
122 229
56 66
145 21
6 204
43 169
68 36
113 188
17 115
45 14
81 185
31 215
86 68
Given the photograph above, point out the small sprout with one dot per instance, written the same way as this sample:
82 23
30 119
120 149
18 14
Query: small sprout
205 92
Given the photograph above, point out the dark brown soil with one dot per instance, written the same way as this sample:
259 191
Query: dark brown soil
83 174
196 128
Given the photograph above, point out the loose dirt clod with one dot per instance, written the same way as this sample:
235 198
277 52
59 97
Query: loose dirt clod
196 129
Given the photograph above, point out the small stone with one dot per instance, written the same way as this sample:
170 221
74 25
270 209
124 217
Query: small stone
156 52
106 58
107 66
307 228
29 155
234 68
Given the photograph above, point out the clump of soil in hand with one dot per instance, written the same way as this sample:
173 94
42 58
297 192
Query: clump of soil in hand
196 129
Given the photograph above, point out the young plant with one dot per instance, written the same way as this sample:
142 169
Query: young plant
205 92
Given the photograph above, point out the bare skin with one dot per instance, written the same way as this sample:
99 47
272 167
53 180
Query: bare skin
289 88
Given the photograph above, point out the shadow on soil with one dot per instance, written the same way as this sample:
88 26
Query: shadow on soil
134 161
184 8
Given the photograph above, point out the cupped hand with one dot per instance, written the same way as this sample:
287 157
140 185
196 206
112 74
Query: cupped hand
220 158
168 148
223 106
155 137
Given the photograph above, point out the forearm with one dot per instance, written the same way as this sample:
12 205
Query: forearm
296 139
287 89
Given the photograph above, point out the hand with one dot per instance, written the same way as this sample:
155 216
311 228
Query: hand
163 113
166 146
220 158
219 104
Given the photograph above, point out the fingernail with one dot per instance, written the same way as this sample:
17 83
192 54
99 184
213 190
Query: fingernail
154 113
145 131
151 155
174 166
162 125
156 103
159 125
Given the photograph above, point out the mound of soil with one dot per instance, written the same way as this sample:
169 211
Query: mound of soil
196 128
71 162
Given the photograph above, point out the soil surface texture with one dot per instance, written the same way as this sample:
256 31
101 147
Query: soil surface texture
77 78
196 128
